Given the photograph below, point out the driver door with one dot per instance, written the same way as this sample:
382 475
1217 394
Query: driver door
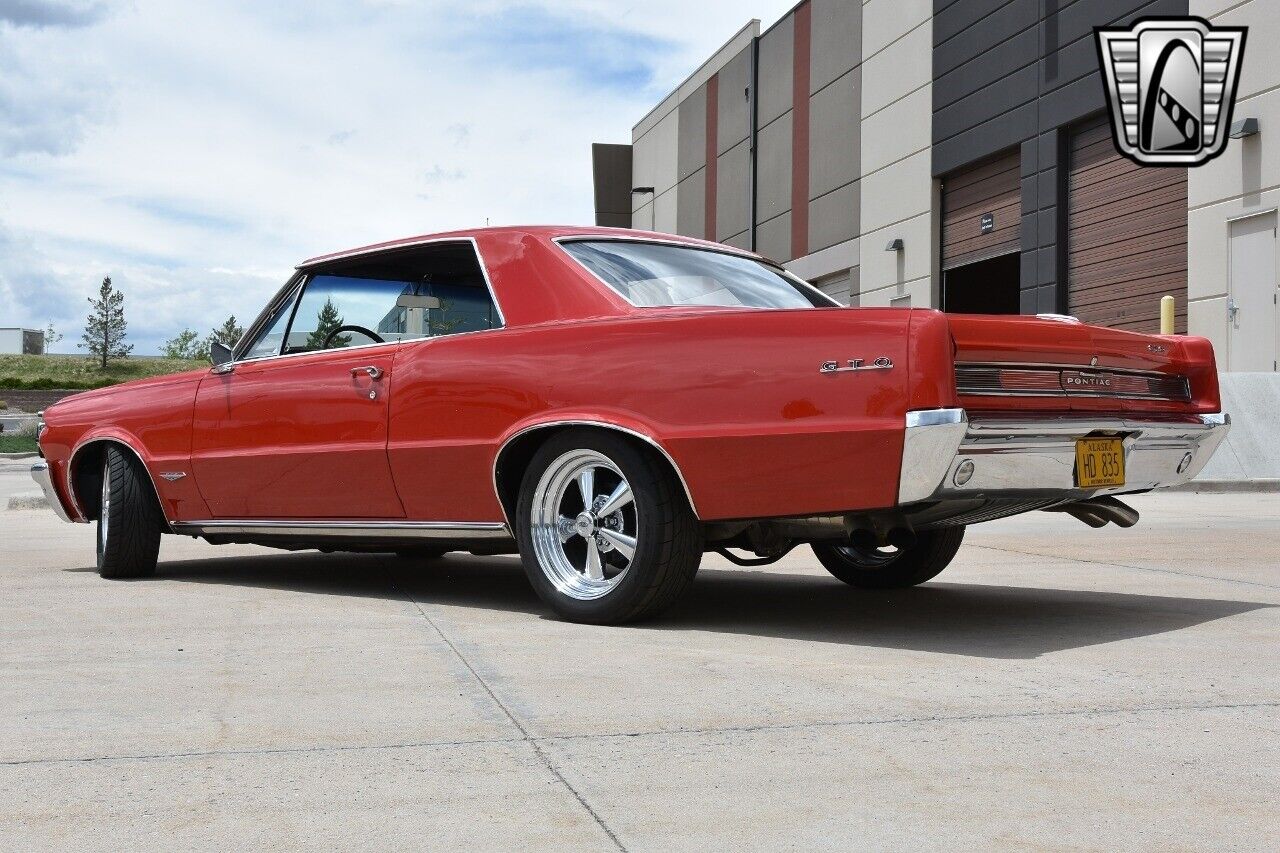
297 428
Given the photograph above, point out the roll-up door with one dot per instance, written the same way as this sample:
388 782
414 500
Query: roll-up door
1126 235
981 211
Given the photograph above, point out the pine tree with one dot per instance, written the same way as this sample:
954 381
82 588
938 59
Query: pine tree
326 321
104 330
186 344
228 334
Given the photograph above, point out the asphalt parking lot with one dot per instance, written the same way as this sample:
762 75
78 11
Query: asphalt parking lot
1057 688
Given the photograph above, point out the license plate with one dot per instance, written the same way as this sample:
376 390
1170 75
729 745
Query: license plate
1099 462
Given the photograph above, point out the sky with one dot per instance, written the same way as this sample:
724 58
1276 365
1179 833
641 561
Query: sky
195 152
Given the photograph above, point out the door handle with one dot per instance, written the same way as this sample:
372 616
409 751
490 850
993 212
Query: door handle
375 373
1232 309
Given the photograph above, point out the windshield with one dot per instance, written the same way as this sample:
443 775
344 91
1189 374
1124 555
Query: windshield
661 275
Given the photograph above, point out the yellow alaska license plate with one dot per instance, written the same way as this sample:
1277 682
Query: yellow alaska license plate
1099 462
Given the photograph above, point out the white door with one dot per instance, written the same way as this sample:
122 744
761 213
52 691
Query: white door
1251 307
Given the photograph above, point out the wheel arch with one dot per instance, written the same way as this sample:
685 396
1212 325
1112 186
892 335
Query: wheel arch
84 475
517 451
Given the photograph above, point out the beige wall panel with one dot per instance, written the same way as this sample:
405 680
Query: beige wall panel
733 191
898 130
881 268
885 20
1208 319
899 192
1247 165
1207 251
901 69
919 290
665 212
836 41
733 114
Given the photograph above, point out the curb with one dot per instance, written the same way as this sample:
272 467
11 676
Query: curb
28 454
1224 487
28 502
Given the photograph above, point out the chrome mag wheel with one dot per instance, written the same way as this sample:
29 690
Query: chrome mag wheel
584 524
104 515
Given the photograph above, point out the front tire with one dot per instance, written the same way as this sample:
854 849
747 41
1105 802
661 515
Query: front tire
606 534
879 569
129 520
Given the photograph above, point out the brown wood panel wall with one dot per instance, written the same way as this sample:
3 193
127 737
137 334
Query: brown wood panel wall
1126 235
991 187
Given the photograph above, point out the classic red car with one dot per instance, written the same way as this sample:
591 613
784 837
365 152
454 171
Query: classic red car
611 404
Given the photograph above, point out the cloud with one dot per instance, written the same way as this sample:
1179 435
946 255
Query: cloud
43 13
195 152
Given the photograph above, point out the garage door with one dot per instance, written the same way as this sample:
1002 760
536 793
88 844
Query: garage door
981 211
1126 235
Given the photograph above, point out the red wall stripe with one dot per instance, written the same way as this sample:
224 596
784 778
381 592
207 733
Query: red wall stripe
713 129
800 135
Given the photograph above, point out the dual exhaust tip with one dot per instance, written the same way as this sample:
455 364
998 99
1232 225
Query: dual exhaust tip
1099 512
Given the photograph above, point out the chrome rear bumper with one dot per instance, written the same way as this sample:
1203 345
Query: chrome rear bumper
1035 458
40 473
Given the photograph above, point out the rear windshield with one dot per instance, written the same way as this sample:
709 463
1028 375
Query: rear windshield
659 275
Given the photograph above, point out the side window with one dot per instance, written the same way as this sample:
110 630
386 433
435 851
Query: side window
409 294
268 342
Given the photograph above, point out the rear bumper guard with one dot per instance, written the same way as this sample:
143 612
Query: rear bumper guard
1035 458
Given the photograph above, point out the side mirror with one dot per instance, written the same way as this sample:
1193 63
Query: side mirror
219 354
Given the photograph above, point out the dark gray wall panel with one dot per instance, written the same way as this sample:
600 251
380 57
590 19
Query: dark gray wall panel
834 136
836 40
777 70
834 217
773 169
986 98
691 205
691 154
733 113
733 191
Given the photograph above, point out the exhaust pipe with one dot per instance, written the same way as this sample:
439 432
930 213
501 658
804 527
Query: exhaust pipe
1098 512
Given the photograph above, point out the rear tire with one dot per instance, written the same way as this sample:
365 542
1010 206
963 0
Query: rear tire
934 550
129 519
575 551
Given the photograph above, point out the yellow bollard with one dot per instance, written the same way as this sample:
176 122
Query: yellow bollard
1166 315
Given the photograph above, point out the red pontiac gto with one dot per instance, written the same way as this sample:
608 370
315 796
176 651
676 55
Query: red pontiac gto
611 404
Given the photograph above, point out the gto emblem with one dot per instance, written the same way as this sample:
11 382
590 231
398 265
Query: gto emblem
881 363
1157 348
1076 379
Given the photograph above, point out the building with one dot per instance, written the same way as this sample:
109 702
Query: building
15 341
956 154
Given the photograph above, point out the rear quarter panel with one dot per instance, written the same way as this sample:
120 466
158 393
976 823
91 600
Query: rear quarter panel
735 397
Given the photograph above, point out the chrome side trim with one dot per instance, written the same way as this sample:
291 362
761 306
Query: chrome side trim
928 446
71 467
605 424
44 479
345 529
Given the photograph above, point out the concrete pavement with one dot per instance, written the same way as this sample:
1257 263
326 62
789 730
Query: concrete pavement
1056 688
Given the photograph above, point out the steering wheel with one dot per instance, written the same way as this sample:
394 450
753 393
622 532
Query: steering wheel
328 339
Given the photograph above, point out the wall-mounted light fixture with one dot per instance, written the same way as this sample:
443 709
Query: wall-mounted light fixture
1244 127
895 245
642 190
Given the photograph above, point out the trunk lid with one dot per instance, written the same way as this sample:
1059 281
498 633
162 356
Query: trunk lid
1038 364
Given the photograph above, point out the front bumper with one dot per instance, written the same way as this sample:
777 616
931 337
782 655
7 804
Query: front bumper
1034 458
43 477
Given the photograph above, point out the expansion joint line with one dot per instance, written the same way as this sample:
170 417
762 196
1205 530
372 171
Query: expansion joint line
525 736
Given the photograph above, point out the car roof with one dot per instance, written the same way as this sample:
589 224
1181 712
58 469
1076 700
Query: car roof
548 232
